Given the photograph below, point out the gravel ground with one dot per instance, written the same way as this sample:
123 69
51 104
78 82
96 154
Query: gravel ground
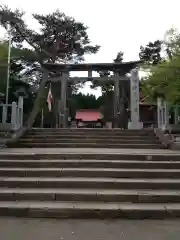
50 229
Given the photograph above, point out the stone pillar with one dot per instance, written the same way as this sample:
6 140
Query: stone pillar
162 114
4 113
20 111
14 116
166 114
64 84
176 114
134 101
116 98
159 113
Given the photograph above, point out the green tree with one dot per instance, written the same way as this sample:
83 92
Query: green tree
119 58
61 38
163 80
172 43
83 101
151 53
19 83
107 86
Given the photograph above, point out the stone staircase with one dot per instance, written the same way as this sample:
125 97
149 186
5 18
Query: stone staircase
100 184
89 138
89 173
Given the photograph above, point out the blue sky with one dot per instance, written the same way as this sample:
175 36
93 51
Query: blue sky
115 25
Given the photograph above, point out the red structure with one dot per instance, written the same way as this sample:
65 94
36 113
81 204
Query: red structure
88 115
94 118
88 118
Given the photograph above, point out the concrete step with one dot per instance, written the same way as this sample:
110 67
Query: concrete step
90 210
87 140
49 154
80 136
51 163
86 145
90 195
90 172
91 130
90 183
93 133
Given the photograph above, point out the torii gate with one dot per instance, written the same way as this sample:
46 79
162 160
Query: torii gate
60 73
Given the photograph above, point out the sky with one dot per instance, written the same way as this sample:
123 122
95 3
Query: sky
116 25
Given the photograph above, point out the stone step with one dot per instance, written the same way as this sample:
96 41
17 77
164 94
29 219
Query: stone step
90 210
82 140
86 145
80 136
90 183
97 133
91 130
90 172
51 163
90 195
89 154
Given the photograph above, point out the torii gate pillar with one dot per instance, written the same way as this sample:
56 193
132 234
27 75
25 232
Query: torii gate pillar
134 101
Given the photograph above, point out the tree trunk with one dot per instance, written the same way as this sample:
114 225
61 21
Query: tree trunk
37 104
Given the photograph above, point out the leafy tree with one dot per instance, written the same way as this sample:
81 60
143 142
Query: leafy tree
107 86
119 58
19 83
60 38
163 79
151 53
172 43
85 101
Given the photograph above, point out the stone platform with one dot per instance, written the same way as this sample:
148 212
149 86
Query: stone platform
46 229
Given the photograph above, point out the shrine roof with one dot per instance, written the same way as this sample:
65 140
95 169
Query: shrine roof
88 115
124 67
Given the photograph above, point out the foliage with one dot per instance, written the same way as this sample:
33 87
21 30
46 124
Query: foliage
60 38
151 53
172 43
164 81
82 101
106 85
119 58
18 70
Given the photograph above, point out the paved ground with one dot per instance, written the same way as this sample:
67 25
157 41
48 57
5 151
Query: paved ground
87 150
28 229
